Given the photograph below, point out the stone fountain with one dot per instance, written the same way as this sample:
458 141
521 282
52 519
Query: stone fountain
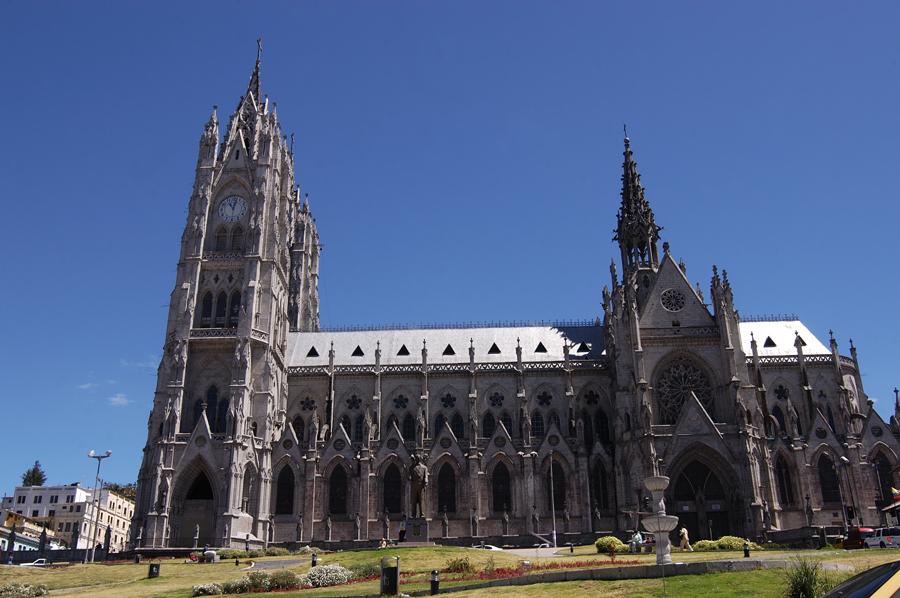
660 524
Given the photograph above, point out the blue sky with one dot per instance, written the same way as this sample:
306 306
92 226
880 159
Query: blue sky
462 160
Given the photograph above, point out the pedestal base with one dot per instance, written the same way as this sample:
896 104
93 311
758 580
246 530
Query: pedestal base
417 530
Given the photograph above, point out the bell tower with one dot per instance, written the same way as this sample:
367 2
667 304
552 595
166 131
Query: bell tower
247 274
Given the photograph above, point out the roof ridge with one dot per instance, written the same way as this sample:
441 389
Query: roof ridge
460 325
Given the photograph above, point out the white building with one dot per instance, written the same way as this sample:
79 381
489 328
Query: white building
69 507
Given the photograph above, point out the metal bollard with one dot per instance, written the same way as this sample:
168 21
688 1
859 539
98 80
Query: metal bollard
571 548
435 582
315 560
746 550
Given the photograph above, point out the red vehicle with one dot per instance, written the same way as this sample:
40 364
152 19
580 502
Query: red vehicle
856 537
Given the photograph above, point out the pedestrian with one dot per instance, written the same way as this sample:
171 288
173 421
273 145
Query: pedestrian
685 542
636 540
383 543
402 535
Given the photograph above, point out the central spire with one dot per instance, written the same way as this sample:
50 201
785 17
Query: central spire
636 230
253 86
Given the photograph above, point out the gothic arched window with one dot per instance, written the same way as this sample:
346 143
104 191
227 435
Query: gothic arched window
234 310
409 427
828 481
501 489
557 487
601 490
198 411
298 425
221 239
602 425
446 484
553 419
537 425
392 492
507 422
284 492
588 423
784 481
212 405
358 429
221 309
676 383
237 239
488 425
779 417
885 477
337 491
438 424
221 417
206 310
458 425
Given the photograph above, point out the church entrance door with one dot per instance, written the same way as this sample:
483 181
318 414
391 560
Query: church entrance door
701 502
197 513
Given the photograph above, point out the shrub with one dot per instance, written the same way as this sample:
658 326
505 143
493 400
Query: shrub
207 589
18 590
704 545
258 580
610 545
807 579
489 565
237 586
366 570
255 554
277 551
327 575
734 543
460 565
284 580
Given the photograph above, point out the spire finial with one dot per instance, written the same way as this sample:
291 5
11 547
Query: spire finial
625 131
258 49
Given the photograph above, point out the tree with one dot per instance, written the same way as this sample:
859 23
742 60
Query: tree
34 476
128 491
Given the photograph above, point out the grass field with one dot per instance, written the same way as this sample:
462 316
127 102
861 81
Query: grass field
176 579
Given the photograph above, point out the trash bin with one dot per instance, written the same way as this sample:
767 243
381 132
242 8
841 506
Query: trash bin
390 575
153 571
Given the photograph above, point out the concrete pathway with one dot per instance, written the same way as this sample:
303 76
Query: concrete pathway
278 564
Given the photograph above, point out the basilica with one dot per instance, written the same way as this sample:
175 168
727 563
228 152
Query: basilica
268 429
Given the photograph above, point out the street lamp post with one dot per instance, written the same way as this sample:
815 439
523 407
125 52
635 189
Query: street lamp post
96 501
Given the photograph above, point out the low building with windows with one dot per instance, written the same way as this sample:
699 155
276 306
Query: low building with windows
266 427
67 508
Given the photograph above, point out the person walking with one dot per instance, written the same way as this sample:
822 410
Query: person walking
685 540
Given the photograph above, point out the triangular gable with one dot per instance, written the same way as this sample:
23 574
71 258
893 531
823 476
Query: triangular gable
500 442
338 444
870 438
453 449
561 447
670 278
199 444
694 424
399 449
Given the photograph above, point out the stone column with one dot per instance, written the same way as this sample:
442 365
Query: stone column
528 487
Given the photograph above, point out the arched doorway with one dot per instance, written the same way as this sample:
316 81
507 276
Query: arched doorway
446 489
701 502
392 490
197 511
284 492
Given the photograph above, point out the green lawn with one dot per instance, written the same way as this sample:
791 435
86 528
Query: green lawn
177 577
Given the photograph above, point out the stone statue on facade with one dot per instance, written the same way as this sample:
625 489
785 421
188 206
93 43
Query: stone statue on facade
473 425
766 516
357 527
793 419
418 480
386 526
646 416
473 522
313 429
226 534
328 528
597 513
567 519
420 428
535 519
367 427
505 522
445 525
299 529
526 426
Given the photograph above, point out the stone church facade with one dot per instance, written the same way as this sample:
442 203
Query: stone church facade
267 429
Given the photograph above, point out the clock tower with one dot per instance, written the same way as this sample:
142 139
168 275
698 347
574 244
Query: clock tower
247 274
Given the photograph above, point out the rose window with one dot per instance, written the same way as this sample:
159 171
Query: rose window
672 300
307 404
676 384
496 400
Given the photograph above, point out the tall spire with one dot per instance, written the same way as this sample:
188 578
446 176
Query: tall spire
636 230
253 86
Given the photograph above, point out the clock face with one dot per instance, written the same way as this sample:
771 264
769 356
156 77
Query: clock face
232 209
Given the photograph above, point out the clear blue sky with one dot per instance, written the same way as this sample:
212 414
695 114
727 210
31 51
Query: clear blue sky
463 162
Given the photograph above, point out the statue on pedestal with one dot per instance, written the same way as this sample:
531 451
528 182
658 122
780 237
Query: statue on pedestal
535 519
473 521
418 480
505 522
445 525
328 528
300 527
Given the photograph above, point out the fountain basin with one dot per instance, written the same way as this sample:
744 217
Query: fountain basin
657 483
659 524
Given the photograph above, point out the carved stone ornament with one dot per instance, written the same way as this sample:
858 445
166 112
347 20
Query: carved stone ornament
500 441
339 444
675 385
553 440
445 442
877 431
200 440
288 444
821 433
392 443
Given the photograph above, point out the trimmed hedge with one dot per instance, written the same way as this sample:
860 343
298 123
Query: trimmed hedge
608 544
